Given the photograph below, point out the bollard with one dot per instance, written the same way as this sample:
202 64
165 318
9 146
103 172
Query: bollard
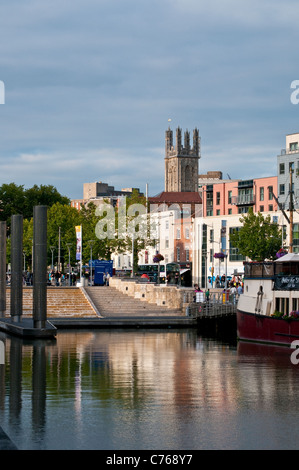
2 269
16 287
39 266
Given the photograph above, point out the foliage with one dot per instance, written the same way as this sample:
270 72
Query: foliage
15 199
258 238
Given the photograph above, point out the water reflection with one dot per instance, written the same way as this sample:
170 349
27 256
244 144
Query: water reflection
146 390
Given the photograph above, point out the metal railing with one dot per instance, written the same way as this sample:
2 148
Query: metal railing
219 304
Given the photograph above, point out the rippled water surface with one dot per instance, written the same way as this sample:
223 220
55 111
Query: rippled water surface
147 390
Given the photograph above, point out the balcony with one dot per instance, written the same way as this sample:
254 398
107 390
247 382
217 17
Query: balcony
243 200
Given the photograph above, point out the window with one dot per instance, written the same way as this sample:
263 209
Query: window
270 207
293 146
261 194
261 208
270 189
211 235
178 233
187 233
217 198
281 189
166 224
218 212
166 243
187 254
281 169
291 166
178 254
230 211
296 238
229 197
234 254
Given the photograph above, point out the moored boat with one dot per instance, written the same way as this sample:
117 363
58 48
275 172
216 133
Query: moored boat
268 309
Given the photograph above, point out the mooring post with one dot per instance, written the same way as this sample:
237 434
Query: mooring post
2 268
16 286
39 266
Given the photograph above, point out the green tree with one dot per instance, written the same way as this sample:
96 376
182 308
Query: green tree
42 195
14 199
62 219
258 238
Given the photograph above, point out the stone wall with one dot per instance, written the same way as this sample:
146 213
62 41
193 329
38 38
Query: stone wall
166 296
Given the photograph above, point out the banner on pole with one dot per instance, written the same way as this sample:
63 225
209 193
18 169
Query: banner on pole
78 242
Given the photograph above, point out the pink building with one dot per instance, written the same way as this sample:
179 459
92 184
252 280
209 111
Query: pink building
231 197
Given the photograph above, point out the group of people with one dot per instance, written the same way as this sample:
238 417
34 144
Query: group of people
57 278
235 289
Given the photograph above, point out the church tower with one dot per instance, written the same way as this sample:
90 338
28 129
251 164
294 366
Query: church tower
181 162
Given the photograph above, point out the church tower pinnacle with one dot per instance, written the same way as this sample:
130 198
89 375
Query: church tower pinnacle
181 162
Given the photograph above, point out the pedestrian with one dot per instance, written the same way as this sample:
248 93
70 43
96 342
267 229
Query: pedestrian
233 292
107 279
239 290
104 278
198 297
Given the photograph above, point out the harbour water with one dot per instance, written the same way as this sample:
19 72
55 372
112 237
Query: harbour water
147 390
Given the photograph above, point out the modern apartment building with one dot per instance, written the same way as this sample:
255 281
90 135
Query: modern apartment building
232 197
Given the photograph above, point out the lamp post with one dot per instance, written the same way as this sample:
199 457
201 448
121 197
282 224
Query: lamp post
69 248
52 248
91 242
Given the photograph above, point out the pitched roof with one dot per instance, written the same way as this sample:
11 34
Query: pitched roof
176 197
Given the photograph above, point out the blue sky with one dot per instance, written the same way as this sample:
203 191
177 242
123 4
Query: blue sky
90 86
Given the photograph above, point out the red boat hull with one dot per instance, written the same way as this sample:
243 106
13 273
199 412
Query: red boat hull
264 329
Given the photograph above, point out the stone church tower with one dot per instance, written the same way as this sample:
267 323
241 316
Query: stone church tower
181 162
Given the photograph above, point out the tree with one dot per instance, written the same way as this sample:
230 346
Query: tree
14 199
258 238
62 219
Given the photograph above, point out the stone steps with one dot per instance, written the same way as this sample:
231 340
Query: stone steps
61 302
111 302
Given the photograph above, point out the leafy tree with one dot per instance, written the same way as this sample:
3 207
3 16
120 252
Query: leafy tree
42 195
62 219
14 199
258 238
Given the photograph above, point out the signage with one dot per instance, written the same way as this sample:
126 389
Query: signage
286 283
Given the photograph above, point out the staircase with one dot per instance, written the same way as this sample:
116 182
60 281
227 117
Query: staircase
61 302
110 302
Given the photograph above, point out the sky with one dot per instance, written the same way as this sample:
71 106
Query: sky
90 86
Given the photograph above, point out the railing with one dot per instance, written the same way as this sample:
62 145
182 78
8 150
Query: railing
243 199
219 304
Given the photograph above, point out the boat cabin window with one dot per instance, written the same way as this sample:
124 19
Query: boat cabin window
287 268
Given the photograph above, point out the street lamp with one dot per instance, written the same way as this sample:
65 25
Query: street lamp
69 248
91 242
52 248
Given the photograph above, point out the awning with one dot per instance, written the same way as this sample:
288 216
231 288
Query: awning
287 258
182 271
